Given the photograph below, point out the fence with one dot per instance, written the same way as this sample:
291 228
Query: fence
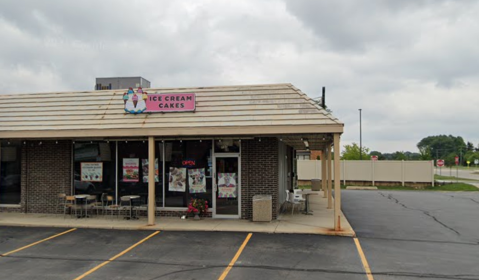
373 171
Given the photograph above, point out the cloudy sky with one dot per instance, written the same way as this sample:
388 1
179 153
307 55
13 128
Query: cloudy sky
412 66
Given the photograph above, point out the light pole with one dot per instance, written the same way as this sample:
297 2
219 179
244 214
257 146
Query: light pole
360 137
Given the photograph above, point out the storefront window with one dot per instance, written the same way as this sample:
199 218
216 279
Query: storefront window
188 165
10 170
94 164
133 170
227 146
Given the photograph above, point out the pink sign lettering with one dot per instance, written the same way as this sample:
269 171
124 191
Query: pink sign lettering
171 102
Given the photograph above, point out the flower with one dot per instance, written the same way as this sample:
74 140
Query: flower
197 206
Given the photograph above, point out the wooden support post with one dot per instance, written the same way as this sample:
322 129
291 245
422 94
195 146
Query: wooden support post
151 181
337 184
330 184
324 186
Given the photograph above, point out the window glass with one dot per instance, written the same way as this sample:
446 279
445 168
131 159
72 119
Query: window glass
10 170
227 146
94 168
188 166
133 170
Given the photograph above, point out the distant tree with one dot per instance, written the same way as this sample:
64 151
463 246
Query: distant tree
351 152
399 156
441 146
470 147
378 154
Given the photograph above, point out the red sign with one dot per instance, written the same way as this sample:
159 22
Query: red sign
440 162
374 157
456 160
188 163
171 102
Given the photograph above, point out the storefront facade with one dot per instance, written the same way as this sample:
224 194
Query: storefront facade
231 144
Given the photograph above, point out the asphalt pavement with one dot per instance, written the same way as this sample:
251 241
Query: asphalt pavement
416 235
136 254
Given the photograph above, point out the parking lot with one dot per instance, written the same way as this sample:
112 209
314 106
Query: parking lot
85 253
404 235
416 234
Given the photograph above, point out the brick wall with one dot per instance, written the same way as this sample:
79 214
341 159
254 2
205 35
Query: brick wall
259 173
46 172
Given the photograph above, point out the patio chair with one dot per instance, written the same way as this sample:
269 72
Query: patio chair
291 201
91 203
69 203
101 204
111 205
299 197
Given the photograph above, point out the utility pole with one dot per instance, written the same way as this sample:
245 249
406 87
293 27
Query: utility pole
360 137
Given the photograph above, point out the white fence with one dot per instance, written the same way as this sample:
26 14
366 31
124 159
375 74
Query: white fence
373 171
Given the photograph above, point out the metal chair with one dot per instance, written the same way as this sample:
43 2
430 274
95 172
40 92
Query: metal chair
111 205
69 203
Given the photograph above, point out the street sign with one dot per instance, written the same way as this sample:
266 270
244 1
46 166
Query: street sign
440 163
476 161
456 160
374 157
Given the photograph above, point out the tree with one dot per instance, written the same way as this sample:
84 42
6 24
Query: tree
378 154
351 152
470 147
399 156
441 146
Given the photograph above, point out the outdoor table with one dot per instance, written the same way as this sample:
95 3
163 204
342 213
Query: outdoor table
83 199
132 197
307 193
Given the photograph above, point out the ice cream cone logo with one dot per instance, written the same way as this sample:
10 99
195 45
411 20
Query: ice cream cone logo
135 102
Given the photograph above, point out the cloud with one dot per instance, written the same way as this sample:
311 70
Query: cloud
410 65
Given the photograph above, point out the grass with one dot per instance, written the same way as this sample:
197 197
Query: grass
450 178
445 187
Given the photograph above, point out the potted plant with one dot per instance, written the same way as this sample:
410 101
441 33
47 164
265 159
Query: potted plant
198 207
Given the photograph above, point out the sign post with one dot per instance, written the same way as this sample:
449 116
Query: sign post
456 160
440 164
476 162
374 158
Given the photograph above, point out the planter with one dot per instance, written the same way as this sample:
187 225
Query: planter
197 217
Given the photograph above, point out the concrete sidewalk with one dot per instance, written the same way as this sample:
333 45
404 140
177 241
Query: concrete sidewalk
321 222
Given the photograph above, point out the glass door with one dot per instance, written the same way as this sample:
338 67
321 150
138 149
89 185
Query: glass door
227 186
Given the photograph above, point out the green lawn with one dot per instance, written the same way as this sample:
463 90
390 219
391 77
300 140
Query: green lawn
450 178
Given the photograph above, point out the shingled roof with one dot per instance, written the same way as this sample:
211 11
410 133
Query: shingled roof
226 110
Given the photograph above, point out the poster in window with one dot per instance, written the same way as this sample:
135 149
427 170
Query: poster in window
226 185
91 171
197 180
177 179
145 168
130 170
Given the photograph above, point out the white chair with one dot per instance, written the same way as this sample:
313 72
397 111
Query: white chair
299 197
290 200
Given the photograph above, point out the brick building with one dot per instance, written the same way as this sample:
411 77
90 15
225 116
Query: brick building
222 144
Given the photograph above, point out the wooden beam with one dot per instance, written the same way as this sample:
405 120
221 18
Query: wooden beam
337 184
151 181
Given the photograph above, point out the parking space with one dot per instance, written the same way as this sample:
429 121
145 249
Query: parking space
12 238
178 255
281 256
66 256
416 235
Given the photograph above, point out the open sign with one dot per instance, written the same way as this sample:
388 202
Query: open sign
188 163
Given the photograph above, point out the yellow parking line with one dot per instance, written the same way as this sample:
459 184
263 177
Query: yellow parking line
117 256
38 242
363 259
235 258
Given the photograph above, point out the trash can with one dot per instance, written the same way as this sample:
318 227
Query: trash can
262 208
315 184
